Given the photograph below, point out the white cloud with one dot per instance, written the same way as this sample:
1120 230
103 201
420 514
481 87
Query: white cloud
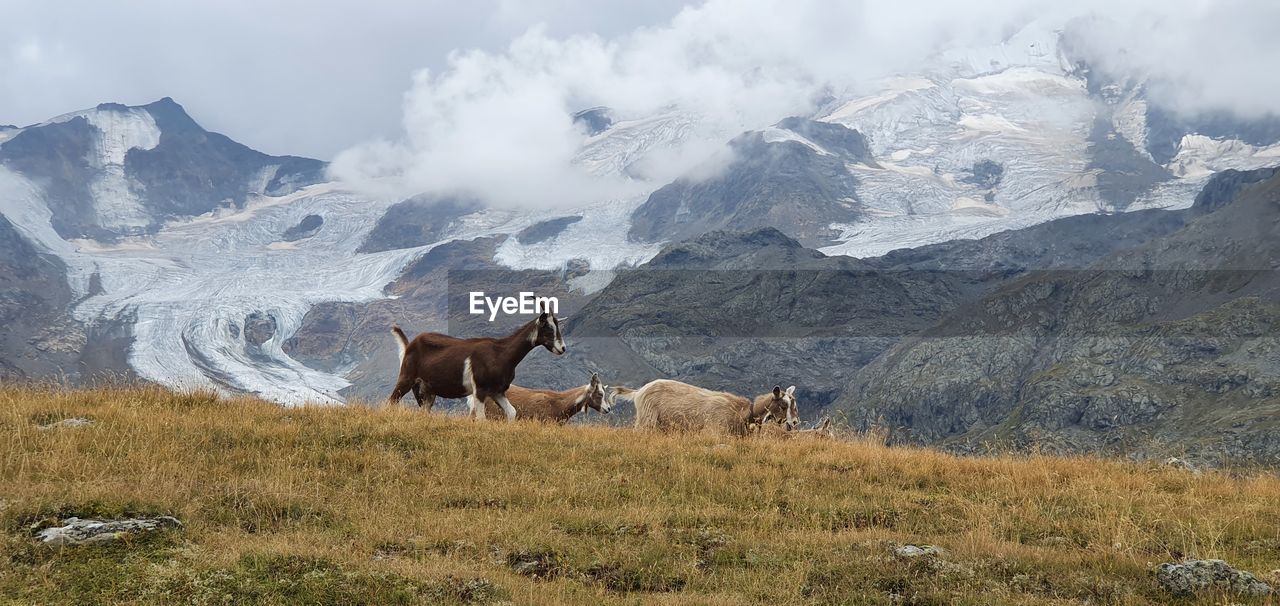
496 123
314 78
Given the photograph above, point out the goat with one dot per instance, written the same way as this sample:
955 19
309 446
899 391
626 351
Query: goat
779 406
556 406
481 368
671 405
821 431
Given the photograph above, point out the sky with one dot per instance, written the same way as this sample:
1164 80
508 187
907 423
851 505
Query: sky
282 76
477 95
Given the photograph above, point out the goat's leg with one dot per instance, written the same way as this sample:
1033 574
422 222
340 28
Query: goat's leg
507 408
423 395
476 405
402 387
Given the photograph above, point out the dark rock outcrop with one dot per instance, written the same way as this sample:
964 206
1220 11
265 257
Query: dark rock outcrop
193 171
39 335
307 227
418 221
1223 187
259 328
1123 172
985 174
545 230
595 120
56 157
786 185
846 143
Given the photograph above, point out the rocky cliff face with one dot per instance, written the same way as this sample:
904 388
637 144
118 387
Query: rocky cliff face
744 310
41 339
1168 346
38 334
793 178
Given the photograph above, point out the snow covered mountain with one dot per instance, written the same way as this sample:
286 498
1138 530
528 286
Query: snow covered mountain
208 256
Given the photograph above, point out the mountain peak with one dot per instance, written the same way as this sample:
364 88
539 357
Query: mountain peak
170 115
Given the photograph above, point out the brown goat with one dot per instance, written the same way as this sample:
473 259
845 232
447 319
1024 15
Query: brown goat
671 405
556 406
478 369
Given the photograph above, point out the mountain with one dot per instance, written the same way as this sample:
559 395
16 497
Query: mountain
119 170
792 177
1168 346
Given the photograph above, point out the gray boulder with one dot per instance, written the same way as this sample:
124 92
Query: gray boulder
1194 576
916 551
71 422
75 531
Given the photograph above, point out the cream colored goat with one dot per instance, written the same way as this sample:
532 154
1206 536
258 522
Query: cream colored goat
668 405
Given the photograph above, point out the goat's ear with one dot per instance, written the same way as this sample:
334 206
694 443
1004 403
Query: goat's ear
595 378
791 391
777 391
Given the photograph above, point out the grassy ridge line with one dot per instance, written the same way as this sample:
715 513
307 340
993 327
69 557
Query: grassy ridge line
344 505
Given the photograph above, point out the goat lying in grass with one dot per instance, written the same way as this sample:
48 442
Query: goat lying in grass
668 405
765 429
555 406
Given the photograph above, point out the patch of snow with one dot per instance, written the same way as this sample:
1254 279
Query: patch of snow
968 205
600 238
992 124
1200 156
118 131
1130 120
773 134
890 89
627 142
1024 81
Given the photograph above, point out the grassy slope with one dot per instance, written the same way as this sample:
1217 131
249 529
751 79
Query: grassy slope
394 506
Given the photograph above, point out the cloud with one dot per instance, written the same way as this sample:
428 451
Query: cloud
496 122
285 76
1198 56
295 77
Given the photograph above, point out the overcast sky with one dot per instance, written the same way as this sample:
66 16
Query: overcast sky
449 94
283 76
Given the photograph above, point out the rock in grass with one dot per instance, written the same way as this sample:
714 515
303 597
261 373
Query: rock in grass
916 551
72 422
1182 464
1193 576
75 531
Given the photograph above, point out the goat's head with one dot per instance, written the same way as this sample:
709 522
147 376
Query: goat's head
782 408
598 396
547 333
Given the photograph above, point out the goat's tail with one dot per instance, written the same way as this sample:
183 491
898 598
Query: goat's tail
402 340
625 392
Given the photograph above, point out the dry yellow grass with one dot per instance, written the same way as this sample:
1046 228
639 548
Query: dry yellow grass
354 504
